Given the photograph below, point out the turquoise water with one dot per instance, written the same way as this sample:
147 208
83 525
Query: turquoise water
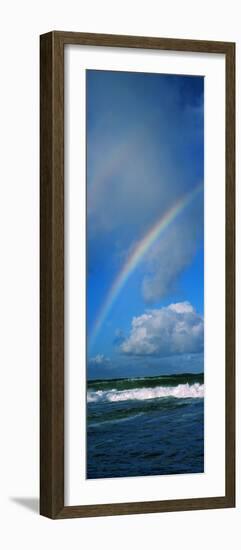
145 426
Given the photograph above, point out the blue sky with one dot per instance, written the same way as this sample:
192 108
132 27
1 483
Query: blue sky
145 148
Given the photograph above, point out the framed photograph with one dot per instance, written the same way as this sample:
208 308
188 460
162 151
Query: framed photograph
137 399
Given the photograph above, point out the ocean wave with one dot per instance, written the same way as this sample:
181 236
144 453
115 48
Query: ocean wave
135 383
128 418
182 391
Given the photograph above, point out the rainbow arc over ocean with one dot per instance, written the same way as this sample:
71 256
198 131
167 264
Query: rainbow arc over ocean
137 255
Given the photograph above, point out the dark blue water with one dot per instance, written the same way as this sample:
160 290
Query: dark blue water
147 426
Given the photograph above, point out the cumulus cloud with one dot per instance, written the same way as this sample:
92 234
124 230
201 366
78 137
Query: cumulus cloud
175 329
99 359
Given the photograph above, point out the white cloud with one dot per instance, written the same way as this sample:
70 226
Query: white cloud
99 359
171 330
182 307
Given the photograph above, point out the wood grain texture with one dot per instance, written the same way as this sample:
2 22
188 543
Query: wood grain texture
154 43
52 274
230 273
51 278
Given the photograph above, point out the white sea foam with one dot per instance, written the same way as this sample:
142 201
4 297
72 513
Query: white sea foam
182 391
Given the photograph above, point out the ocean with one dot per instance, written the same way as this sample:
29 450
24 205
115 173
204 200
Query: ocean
145 426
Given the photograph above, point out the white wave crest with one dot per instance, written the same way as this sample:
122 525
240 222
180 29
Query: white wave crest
182 391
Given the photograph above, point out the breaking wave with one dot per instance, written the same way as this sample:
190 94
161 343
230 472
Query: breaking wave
181 391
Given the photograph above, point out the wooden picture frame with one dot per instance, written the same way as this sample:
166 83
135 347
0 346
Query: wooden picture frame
52 274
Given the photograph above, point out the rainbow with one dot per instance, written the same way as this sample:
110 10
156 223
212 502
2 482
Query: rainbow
139 251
